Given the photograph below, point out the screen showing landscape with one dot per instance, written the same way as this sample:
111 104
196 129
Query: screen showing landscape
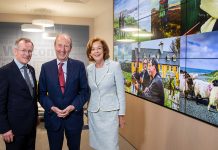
168 52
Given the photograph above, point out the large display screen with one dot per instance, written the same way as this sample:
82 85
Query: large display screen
168 52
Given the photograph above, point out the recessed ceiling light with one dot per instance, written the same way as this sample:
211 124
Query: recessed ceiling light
43 22
32 28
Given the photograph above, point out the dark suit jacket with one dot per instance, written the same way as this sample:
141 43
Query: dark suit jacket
155 91
18 109
146 79
76 93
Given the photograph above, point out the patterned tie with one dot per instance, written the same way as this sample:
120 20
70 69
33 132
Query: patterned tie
27 79
61 77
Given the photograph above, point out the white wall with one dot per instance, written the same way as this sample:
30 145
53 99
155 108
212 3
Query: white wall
103 27
58 20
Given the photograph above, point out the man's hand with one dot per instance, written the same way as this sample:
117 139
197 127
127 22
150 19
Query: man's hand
63 113
67 110
8 136
57 111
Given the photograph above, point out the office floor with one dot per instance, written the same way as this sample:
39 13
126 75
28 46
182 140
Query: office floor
42 141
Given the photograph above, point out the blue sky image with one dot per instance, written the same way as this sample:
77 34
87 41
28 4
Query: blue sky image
203 48
144 7
144 11
200 45
120 5
154 44
145 24
207 64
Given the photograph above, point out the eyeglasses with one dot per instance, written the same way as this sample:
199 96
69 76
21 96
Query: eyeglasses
23 51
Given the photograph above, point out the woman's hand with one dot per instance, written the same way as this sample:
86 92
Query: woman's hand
121 121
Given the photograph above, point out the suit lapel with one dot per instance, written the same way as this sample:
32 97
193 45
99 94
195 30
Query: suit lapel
54 74
70 67
20 80
91 72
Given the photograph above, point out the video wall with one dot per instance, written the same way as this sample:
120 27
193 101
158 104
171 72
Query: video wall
168 51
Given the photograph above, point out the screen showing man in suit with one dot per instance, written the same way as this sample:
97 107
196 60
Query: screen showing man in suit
18 100
144 78
63 90
155 90
144 75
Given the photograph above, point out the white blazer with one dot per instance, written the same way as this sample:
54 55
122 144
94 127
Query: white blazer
108 94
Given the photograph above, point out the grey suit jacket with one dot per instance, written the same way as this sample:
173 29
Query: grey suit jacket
108 94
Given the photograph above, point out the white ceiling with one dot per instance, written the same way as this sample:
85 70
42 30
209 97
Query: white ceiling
68 8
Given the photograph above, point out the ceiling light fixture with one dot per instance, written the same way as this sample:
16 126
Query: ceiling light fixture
32 28
43 22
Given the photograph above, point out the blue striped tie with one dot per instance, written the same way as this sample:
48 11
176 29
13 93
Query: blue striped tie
27 79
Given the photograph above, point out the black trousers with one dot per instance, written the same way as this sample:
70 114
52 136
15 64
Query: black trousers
23 142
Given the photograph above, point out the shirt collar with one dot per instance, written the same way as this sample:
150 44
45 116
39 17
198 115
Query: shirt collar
58 62
19 65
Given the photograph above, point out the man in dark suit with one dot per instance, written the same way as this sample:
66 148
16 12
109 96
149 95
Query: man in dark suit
155 91
18 100
63 90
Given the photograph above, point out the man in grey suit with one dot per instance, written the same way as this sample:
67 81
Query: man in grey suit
155 91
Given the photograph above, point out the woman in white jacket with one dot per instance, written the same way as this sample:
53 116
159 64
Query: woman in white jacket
106 107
